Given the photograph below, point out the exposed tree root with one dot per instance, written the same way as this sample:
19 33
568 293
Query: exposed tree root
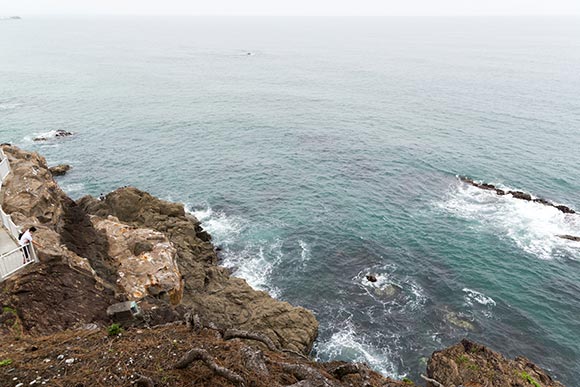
308 376
433 381
200 354
236 333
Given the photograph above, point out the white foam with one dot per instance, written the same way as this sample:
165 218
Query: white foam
533 227
412 296
252 260
224 229
346 344
305 252
472 296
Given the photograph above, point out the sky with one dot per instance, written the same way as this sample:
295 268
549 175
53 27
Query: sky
291 7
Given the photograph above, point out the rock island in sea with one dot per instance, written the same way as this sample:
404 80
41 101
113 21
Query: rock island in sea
199 326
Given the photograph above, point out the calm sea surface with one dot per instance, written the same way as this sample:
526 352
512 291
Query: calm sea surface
319 150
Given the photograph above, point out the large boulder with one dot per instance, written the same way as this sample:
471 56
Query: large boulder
145 260
471 364
31 190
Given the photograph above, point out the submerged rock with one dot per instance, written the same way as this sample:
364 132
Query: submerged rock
388 291
59 133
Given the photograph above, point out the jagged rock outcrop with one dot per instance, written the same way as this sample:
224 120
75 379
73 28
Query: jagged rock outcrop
30 189
471 364
145 260
218 298
59 170
516 195
134 255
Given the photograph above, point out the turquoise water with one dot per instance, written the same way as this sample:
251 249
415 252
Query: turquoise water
319 150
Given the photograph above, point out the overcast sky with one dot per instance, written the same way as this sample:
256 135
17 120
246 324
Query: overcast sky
292 7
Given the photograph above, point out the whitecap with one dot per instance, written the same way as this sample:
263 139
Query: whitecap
532 227
472 296
411 297
252 260
305 251
348 344
224 229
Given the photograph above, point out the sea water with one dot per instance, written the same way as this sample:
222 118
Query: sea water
319 150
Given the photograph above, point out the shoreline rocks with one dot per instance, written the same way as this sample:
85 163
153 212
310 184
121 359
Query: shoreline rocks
59 170
57 134
133 246
516 194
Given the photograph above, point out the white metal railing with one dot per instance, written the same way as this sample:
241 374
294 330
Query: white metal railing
16 259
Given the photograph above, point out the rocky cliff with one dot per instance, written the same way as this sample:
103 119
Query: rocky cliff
132 246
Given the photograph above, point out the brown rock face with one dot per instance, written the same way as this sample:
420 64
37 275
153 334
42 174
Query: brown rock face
30 189
50 297
471 364
217 298
59 170
145 260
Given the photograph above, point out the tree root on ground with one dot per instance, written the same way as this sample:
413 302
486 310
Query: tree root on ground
239 334
307 376
200 354
433 381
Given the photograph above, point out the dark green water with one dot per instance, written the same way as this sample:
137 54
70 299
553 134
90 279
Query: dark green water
331 152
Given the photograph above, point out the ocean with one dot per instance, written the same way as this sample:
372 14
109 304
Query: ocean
319 150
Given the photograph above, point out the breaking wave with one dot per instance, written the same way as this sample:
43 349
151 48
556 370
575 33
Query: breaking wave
533 227
253 259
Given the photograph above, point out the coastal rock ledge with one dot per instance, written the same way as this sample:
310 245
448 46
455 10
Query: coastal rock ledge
200 325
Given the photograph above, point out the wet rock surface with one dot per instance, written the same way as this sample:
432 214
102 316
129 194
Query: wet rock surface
516 194
58 134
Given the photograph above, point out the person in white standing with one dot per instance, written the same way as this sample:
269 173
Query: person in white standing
25 241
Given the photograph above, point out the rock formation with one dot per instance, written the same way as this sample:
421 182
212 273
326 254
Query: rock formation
59 170
516 194
58 134
138 246
133 246
471 364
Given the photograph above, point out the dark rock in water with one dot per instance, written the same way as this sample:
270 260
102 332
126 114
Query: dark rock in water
520 195
542 201
371 278
570 237
470 364
565 209
59 170
490 187
515 194
59 133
